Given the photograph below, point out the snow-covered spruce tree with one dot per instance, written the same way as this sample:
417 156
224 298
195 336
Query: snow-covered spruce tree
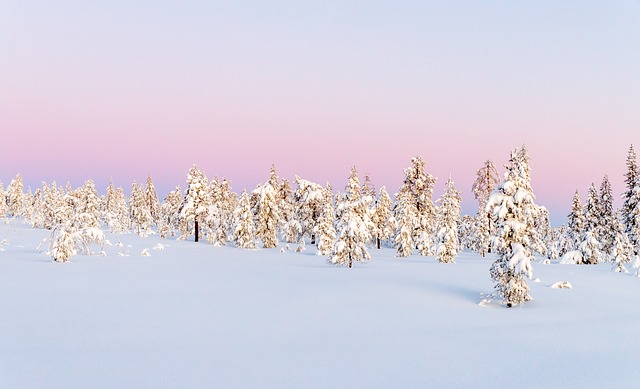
64 241
309 198
467 232
368 188
15 197
244 232
267 215
487 179
3 203
170 213
633 228
118 220
447 225
195 203
513 210
88 205
139 215
622 251
354 225
216 221
631 199
326 230
37 209
382 218
608 218
590 249
286 208
592 212
405 216
151 201
576 223
418 185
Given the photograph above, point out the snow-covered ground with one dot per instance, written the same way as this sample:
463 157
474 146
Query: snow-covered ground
192 315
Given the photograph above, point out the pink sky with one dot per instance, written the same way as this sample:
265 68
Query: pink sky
127 89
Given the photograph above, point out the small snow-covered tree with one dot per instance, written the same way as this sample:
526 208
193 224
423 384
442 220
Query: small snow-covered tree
267 215
487 179
447 226
244 232
368 188
590 249
354 225
195 203
381 217
309 198
513 210
170 213
3 203
326 230
405 216
88 205
608 218
576 224
15 197
622 250
141 220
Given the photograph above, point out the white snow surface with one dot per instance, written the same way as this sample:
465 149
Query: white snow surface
194 315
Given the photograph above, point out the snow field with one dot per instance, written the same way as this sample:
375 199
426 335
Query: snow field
194 315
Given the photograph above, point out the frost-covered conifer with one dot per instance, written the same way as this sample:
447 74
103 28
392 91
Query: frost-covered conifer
354 225
15 197
151 201
577 224
170 213
590 248
195 203
467 232
368 188
63 245
487 179
309 199
592 212
447 226
631 199
3 203
37 209
88 205
267 214
405 216
326 230
286 208
608 218
513 210
418 188
382 218
119 220
139 214
244 232
622 250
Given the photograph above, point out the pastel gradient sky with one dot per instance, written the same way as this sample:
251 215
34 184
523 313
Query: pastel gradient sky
123 89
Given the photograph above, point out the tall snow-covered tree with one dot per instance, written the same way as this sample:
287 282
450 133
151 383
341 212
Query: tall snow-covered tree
631 199
447 225
267 214
151 201
592 211
326 230
354 225
244 232
405 215
170 213
382 217
622 250
418 186
576 223
141 220
88 205
195 204
487 180
513 210
608 219
309 198
15 196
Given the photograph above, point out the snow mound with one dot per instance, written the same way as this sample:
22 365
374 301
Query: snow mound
145 253
562 285
571 258
159 247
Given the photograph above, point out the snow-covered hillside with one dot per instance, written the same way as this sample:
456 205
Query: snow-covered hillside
194 315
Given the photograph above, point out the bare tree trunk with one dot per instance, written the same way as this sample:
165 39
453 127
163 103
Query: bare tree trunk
313 238
196 227
378 241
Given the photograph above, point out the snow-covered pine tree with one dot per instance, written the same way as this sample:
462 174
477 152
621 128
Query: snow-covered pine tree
63 244
630 199
622 251
139 214
447 225
88 205
590 248
487 179
195 203
576 223
368 188
37 209
418 185
267 214
513 210
244 232
170 213
151 201
405 214
633 218
592 212
382 217
326 230
309 198
608 218
354 225
15 197
286 208
119 220
3 203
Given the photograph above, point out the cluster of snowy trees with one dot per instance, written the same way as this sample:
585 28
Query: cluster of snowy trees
346 225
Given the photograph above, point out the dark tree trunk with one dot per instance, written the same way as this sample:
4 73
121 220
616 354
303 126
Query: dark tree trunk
378 241
313 238
196 227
